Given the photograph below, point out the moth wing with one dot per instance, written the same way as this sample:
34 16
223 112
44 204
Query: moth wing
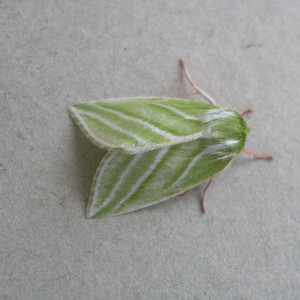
128 182
140 124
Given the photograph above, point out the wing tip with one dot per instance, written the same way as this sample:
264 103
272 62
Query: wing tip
94 215
72 112
91 213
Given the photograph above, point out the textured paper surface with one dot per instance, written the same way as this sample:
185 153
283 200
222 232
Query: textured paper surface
57 53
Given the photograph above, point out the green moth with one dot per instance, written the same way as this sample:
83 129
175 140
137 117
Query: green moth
157 148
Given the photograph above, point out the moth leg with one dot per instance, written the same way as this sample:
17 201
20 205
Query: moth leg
202 199
194 85
257 155
182 194
246 111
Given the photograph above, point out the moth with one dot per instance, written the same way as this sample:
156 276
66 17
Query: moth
157 147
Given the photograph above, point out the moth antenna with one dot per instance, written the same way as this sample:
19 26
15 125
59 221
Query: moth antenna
202 199
257 155
246 111
194 85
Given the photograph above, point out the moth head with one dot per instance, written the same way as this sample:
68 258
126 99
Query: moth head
223 125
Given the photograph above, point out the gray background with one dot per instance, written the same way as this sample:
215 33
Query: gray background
57 53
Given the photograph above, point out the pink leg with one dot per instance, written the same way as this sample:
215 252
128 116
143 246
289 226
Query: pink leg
251 153
246 151
183 193
257 155
202 199
193 84
246 111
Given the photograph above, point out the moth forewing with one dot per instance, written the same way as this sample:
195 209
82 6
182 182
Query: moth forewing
142 124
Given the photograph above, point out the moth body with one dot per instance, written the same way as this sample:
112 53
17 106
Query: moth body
158 148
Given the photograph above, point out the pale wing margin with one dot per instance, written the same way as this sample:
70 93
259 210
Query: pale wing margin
141 124
125 182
